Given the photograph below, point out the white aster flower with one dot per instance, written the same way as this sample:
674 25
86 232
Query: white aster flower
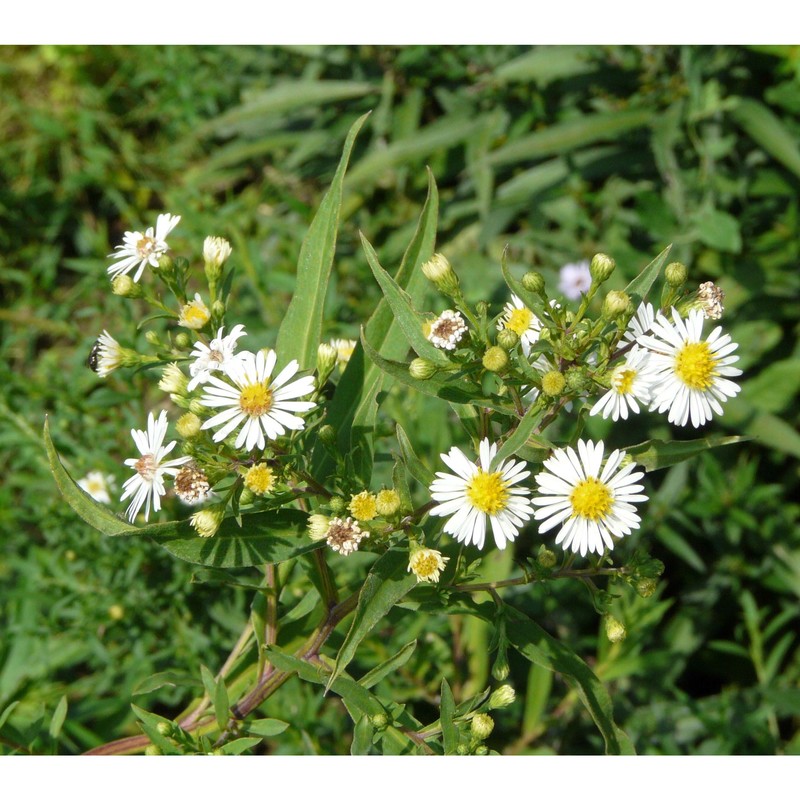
519 318
691 374
261 403
477 492
195 314
630 381
140 249
641 324
147 485
447 330
216 251
593 505
218 354
574 280
106 354
98 486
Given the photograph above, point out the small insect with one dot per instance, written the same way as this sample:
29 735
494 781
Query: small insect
92 361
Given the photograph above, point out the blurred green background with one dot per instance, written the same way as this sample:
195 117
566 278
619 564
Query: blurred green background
557 152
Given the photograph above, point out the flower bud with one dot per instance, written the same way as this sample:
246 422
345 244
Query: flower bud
616 304
327 434
482 750
481 726
173 381
507 339
601 267
326 360
577 380
152 337
317 525
188 426
164 728
421 369
338 505
646 587
462 750
183 341
482 308
125 286
166 266
116 612
152 750
218 309
246 498
500 668
546 558
553 383
502 696
615 630
387 502
439 272
533 282
207 521
216 252
495 359
380 722
676 274
196 407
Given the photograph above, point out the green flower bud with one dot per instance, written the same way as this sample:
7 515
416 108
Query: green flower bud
616 304
337 505
152 750
601 267
327 434
380 722
196 407
422 369
533 282
152 337
481 726
116 612
462 750
495 359
166 265
615 630
553 383
183 341
218 309
502 696
546 558
507 339
676 274
646 587
188 426
387 502
439 272
482 750
247 497
125 286
577 380
164 728
500 668
207 521
326 360
482 308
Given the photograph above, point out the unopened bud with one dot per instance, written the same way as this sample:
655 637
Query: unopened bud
196 407
421 369
207 521
218 309
183 341
533 282
125 286
500 668
173 381
495 359
676 274
546 558
601 267
439 272
507 339
615 630
577 380
481 726
116 612
553 383
337 505
247 497
164 728
188 426
152 337
317 525
166 265
482 308
216 252
326 360
387 502
327 434
502 696
482 750
379 721
152 750
616 304
462 750
646 587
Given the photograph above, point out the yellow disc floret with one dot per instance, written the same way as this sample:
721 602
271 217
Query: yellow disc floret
363 506
256 399
695 365
623 380
488 492
591 499
259 479
519 320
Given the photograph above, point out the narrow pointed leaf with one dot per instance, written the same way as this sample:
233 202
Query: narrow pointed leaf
412 462
447 711
643 282
656 454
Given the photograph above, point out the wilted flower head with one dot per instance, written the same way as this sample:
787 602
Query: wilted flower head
447 330
344 535
711 297
191 485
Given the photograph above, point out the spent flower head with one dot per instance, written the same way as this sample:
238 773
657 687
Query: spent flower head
344 535
447 330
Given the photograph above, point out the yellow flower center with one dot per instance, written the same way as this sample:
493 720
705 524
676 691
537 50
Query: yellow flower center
487 492
363 506
695 365
425 564
194 317
519 320
259 479
591 499
256 399
623 380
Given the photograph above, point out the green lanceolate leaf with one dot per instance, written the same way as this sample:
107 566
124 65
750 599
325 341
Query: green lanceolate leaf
408 319
375 676
519 437
300 331
447 712
656 454
535 644
767 131
362 737
387 583
221 704
238 746
96 514
59 715
412 462
643 282
264 727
